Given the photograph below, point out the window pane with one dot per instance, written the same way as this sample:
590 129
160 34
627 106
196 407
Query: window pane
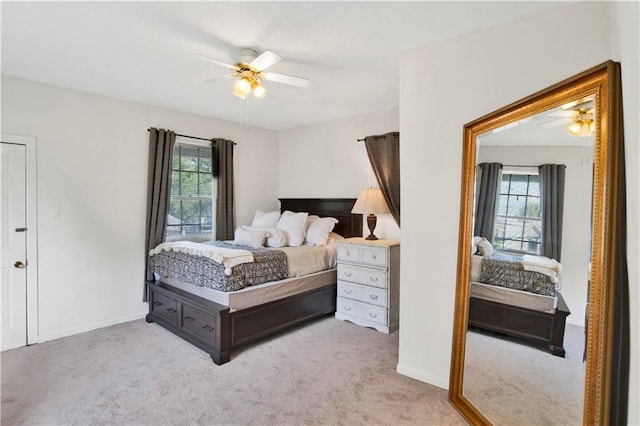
513 229
174 213
175 183
191 230
502 205
504 184
189 184
205 160
533 207
189 158
173 232
532 231
513 245
205 184
190 212
516 205
534 185
518 184
175 161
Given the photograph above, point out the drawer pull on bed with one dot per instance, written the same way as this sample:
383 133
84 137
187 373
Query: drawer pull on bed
207 327
171 310
157 303
189 319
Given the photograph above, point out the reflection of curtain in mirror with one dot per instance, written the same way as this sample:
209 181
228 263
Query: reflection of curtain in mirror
384 156
488 178
551 206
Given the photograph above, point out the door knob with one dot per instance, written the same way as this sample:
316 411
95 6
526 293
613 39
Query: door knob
18 265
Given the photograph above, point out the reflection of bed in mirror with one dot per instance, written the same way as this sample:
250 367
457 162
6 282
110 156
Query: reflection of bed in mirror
519 297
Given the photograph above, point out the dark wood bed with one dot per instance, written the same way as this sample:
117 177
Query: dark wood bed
217 329
541 329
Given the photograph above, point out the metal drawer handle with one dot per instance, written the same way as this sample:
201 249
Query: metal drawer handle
157 303
373 315
373 296
347 273
347 308
373 256
374 279
189 319
346 290
171 310
207 327
348 253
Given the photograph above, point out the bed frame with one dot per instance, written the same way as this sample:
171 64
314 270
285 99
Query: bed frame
541 329
217 329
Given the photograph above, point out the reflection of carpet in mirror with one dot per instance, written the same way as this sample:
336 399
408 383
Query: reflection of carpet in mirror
514 384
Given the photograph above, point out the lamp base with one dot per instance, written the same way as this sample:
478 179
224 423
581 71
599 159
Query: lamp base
371 223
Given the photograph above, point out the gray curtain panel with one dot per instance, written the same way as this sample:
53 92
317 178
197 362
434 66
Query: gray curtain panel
551 208
161 144
223 171
488 183
384 156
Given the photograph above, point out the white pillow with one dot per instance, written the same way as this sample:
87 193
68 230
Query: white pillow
276 238
246 236
485 248
294 225
319 229
265 220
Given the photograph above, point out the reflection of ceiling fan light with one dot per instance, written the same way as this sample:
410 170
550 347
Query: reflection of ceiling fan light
583 125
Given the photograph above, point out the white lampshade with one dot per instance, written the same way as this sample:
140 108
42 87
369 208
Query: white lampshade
370 201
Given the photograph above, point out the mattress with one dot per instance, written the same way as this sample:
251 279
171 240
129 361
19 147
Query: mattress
508 296
258 294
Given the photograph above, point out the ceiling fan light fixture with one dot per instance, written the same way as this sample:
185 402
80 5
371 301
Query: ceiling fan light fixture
258 89
242 87
582 128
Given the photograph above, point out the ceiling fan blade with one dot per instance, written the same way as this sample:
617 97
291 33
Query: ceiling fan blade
214 79
287 79
265 60
217 62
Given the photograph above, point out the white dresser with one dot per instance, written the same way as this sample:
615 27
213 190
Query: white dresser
368 283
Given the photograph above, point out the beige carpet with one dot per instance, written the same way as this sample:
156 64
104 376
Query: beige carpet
513 384
326 372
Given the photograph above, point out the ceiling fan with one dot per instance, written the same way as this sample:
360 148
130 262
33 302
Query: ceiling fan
578 116
250 70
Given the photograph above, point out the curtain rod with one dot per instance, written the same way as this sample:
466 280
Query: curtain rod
193 137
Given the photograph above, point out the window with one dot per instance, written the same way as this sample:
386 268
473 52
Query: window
191 200
518 223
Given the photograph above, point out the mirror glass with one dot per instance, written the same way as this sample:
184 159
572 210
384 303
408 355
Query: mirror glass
510 377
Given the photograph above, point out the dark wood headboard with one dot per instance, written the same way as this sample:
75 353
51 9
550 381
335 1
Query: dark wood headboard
349 225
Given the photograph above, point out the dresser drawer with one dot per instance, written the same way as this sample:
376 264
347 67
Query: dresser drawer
362 293
374 256
361 310
349 253
199 323
358 275
164 306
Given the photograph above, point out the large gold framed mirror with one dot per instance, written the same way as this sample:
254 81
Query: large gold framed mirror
590 102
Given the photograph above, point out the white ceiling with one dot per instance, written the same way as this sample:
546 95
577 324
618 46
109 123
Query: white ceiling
143 51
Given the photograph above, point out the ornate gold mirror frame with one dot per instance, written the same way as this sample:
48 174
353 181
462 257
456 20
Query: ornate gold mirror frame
602 82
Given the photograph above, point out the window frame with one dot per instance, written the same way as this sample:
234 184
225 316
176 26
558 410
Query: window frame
212 198
499 243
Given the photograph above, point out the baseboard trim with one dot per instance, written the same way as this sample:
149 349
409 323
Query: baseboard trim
92 326
440 382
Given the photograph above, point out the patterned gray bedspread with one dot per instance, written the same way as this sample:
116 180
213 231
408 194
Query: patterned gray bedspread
507 271
268 265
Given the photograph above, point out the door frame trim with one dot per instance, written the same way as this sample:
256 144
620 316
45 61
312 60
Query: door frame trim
30 144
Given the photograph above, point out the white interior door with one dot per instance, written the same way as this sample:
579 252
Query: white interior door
13 239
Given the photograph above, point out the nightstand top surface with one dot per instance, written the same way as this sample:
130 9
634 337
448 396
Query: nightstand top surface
379 243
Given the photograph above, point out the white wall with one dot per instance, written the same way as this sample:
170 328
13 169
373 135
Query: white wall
576 233
325 160
92 165
625 28
461 80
